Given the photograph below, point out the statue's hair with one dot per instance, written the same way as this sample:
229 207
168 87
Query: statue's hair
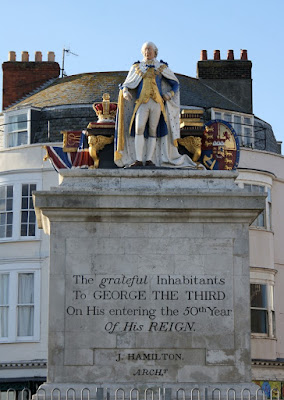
149 44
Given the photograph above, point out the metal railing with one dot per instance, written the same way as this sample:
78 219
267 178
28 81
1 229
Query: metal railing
139 394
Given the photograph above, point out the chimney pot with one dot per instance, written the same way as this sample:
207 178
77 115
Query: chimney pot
25 56
51 56
203 55
38 56
12 56
244 55
230 55
216 54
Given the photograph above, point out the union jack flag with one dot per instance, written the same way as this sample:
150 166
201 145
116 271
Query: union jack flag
61 159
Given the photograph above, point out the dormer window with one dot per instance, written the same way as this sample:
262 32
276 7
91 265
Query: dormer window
17 128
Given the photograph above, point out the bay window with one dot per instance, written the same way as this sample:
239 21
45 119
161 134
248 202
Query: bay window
17 215
19 305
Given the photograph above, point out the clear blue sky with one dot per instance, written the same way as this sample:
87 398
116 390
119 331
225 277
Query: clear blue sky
107 36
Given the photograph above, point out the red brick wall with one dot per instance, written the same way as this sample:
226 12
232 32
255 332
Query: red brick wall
21 78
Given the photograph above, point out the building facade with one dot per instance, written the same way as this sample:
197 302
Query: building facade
41 106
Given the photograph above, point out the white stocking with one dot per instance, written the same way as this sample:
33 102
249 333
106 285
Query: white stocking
139 147
151 145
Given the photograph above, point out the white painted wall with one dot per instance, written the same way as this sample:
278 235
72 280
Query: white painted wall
267 251
25 164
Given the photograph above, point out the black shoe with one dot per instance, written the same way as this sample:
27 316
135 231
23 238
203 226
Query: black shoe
136 164
150 163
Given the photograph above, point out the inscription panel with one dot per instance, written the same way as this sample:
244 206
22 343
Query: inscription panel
159 304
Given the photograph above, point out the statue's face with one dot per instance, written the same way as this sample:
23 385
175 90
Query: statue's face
149 53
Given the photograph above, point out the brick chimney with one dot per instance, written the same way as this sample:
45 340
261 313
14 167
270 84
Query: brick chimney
230 77
22 77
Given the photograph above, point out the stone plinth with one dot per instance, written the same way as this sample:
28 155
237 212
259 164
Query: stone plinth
149 278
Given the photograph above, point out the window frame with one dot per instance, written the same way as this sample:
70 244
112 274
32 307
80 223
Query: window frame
14 272
13 113
30 211
242 137
268 223
7 211
13 180
270 310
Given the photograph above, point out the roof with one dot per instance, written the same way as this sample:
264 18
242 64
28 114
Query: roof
88 88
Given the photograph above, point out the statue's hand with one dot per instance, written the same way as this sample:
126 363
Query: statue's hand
167 96
126 95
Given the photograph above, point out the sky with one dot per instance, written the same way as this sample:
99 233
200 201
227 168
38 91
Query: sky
107 36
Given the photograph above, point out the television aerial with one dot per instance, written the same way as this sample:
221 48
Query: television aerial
65 51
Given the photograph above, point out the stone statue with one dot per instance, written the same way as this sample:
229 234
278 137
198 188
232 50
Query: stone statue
147 125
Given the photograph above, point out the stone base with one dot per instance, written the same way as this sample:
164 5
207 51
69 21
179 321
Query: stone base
149 283
152 391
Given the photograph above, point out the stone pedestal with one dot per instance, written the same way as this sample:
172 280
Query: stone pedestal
149 280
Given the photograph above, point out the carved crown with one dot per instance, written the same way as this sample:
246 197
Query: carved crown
106 110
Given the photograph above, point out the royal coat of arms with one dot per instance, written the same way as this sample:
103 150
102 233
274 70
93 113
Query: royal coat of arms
220 146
